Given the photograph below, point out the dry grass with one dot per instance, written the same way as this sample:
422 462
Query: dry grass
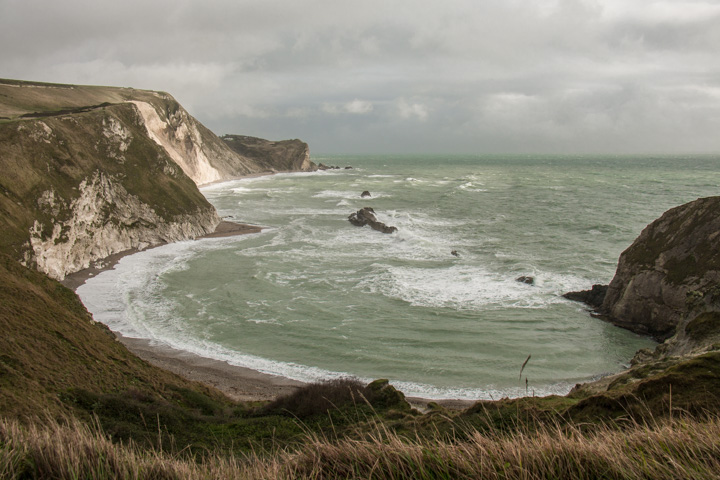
674 449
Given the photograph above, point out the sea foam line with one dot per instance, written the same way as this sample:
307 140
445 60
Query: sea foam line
106 296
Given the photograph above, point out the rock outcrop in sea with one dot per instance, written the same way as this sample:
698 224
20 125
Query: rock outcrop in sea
366 216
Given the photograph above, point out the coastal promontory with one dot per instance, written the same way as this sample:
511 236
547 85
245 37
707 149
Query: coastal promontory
671 272
93 171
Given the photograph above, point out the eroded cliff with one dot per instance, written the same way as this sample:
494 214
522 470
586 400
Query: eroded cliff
282 156
76 188
86 172
671 273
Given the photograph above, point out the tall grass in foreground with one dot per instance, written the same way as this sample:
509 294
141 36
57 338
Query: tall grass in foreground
675 449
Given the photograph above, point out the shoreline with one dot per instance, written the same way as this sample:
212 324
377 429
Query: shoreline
240 384
223 229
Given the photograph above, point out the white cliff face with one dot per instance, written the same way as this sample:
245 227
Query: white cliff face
96 207
118 137
181 139
105 219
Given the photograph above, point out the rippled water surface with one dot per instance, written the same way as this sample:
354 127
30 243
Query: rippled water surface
313 296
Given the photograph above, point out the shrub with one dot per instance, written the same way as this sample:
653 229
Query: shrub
319 398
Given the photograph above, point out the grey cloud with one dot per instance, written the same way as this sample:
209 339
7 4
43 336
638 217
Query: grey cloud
373 76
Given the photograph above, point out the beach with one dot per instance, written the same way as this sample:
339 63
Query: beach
238 383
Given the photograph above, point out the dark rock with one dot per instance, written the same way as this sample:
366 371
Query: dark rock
526 280
366 216
348 168
593 297
455 253
322 166
365 194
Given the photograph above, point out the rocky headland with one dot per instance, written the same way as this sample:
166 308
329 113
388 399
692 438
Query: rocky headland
89 172
668 277
666 286
282 156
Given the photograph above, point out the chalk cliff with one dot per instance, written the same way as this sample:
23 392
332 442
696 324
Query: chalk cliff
86 172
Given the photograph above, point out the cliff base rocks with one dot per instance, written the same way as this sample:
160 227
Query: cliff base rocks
593 297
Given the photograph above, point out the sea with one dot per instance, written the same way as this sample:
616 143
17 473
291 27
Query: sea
313 297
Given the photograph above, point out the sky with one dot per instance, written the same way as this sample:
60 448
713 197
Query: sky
398 76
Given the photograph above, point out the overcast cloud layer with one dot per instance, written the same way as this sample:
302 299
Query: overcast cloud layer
379 76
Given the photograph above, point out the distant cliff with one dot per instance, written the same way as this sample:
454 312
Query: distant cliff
284 156
86 172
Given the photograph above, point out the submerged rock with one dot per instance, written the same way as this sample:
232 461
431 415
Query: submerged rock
366 216
525 279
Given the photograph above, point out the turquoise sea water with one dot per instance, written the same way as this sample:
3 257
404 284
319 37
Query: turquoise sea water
315 297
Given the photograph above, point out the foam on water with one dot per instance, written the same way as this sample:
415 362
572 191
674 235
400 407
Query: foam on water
314 297
125 299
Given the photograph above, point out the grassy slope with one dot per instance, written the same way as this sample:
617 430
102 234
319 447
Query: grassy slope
51 346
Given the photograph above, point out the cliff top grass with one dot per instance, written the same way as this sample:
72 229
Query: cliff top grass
681 448
18 97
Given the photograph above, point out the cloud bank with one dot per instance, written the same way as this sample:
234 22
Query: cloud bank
461 76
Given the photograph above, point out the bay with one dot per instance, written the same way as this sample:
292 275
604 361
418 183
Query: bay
314 297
